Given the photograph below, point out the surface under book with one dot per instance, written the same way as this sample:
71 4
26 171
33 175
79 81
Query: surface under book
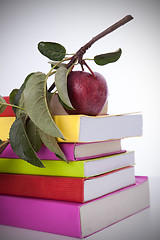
74 219
83 128
66 188
75 151
83 168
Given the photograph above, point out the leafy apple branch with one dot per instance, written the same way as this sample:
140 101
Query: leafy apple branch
102 59
34 123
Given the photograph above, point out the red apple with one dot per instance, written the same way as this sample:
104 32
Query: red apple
87 93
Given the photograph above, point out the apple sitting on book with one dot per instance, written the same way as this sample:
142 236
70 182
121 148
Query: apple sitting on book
87 92
82 92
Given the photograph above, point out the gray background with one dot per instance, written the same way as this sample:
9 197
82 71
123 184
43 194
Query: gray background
133 81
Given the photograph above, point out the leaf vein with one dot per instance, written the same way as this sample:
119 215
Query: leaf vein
45 110
39 99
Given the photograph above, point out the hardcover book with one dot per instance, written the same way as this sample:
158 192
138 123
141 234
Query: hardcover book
74 219
82 128
66 188
75 151
83 168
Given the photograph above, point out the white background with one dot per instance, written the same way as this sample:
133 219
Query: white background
133 81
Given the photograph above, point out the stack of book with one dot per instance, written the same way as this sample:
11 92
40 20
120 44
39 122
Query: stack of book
97 188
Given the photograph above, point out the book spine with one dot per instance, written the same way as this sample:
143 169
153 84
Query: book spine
44 153
50 216
57 188
52 167
8 112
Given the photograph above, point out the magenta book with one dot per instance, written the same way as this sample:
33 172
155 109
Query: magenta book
75 151
74 219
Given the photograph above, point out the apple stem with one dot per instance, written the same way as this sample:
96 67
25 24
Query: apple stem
84 63
79 54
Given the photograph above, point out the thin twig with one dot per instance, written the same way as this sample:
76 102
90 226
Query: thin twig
79 54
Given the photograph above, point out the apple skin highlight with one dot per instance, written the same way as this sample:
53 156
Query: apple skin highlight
88 93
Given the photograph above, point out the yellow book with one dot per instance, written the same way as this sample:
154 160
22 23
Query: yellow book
82 128
83 168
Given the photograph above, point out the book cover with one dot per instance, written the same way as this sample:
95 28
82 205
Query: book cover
82 128
75 151
74 219
66 188
83 168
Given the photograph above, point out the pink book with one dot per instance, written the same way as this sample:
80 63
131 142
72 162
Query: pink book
75 151
74 219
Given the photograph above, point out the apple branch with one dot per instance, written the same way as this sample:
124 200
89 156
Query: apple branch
79 54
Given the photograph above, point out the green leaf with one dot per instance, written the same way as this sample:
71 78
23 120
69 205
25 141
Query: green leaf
63 104
2 104
21 144
58 156
3 145
51 143
104 59
19 93
33 135
35 103
12 96
20 104
61 85
49 96
54 51
15 95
